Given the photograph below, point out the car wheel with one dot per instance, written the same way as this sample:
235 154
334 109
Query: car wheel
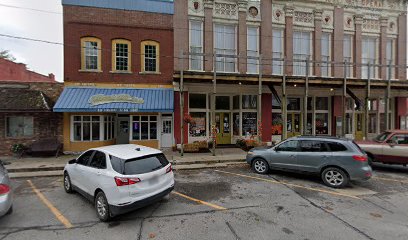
260 166
102 207
10 211
67 183
335 177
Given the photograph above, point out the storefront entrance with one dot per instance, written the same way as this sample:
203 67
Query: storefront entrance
294 124
359 126
223 126
123 129
166 132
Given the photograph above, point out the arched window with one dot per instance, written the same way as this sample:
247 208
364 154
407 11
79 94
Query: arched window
91 54
150 52
121 55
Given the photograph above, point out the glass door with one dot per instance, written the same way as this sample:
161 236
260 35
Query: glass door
294 124
223 126
359 126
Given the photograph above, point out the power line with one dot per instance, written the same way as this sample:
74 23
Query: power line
31 9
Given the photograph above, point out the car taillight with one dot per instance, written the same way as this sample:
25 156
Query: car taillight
121 181
169 169
360 158
4 189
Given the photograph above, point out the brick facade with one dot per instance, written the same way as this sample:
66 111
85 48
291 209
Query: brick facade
11 71
46 125
107 25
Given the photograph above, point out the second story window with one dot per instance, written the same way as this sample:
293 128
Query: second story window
369 56
150 56
90 54
302 49
348 54
326 49
277 51
196 45
121 55
225 45
390 58
252 49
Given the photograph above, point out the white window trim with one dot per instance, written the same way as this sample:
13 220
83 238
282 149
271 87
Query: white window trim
257 49
329 70
310 53
236 44
351 63
282 52
140 129
189 44
101 125
377 55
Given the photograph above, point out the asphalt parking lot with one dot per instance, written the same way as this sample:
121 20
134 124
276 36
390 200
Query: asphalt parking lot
226 203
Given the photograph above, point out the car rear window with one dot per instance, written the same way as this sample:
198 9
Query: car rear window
145 164
358 147
336 147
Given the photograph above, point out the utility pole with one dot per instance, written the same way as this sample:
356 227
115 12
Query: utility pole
387 99
284 104
182 104
213 125
368 93
260 99
343 119
305 99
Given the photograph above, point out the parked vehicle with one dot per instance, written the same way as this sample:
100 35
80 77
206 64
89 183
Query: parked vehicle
336 160
6 193
119 178
389 147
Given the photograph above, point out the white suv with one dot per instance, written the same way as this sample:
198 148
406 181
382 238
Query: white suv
119 178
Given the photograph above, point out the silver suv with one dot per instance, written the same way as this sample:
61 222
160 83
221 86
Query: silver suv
336 160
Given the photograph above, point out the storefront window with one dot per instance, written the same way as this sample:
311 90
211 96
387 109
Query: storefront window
86 128
197 100
276 104
372 105
349 123
309 126
277 125
309 103
20 126
403 122
322 124
350 104
198 125
249 123
109 127
235 103
144 127
372 123
382 122
222 102
249 101
235 119
293 104
322 103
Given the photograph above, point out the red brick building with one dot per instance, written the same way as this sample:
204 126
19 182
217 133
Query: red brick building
121 54
298 49
26 101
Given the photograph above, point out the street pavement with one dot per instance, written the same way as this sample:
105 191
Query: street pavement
226 203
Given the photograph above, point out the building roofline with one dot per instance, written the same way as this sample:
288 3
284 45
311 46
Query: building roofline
153 6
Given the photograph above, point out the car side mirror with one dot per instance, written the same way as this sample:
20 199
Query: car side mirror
73 161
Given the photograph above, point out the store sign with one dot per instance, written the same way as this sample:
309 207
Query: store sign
117 98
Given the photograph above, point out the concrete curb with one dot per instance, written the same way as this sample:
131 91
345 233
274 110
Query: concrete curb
56 171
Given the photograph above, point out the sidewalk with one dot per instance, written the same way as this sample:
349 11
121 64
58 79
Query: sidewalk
53 166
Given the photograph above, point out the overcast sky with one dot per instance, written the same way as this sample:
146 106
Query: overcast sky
40 57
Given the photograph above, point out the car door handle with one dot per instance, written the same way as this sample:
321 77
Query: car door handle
292 156
324 156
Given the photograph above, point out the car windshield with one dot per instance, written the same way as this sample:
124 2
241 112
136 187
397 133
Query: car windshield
145 164
382 137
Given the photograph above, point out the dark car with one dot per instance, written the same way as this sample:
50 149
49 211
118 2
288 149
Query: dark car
336 160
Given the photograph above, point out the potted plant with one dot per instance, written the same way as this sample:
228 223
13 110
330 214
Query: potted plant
18 149
188 119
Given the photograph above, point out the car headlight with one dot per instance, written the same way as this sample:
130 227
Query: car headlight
250 153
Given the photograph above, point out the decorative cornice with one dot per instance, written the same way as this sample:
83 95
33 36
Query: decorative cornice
318 14
384 22
358 19
289 10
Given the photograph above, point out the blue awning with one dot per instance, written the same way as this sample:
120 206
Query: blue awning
81 99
